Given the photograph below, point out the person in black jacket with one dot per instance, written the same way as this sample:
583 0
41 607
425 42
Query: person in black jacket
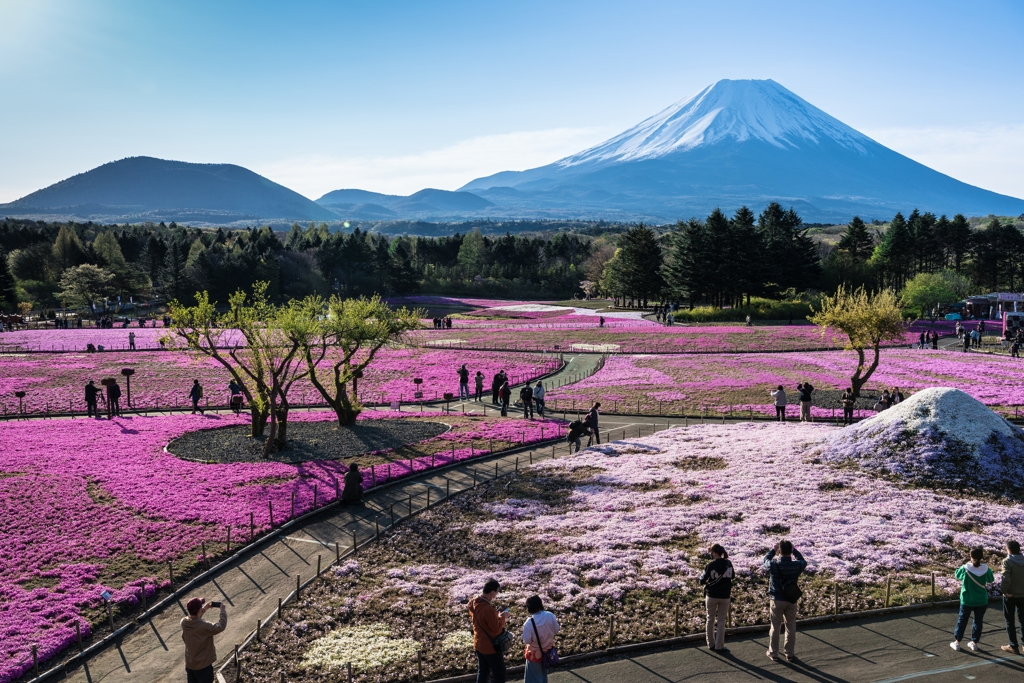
783 573
114 399
91 392
353 491
526 396
717 582
576 429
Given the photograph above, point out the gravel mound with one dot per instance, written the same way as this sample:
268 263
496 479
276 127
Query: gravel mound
938 436
307 441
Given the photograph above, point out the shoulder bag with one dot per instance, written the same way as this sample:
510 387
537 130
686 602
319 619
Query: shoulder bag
548 658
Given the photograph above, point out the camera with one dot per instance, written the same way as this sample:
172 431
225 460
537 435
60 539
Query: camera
215 604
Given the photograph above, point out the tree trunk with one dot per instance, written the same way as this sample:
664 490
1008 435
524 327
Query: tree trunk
258 422
861 376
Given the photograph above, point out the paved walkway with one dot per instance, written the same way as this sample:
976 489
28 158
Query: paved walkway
910 647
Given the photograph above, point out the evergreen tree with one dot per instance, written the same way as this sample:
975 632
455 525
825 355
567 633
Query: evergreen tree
958 241
791 257
640 261
8 292
896 252
856 240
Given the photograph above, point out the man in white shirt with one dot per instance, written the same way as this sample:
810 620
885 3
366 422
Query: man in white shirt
539 636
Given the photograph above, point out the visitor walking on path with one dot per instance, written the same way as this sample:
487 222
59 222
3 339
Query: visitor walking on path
91 391
479 385
1013 595
783 574
592 422
353 491
463 383
805 390
935 341
539 638
131 341
505 394
488 626
526 396
848 401
495 388
973 598
196 394
780 403
717 582
113 399
200 651
538 397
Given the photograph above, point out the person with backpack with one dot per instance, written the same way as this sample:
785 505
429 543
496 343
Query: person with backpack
784 591
196 394
779 395
805 391
849 401
236 396
1012 589
973 576
577 428
539 638
505 394
489 639
526 396
463 383
717 582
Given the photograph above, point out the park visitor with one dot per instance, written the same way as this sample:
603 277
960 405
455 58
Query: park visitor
236 396
897 395
848 401
196 394
131 341
353 491
495 388
884 401
538 397
200 652
780 403
113 399
601 321
488 627
479 385
505 394
539 638
1013 595
526 396
784 591
577 428
935 341
463 383
592 425
90 400
805 391
717 582
921 341
973 598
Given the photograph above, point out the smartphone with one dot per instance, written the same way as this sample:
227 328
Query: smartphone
505 611
214 604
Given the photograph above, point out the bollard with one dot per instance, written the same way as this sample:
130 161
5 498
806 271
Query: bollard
888 588
78 635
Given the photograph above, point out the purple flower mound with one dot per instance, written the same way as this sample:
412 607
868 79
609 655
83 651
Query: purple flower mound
939 437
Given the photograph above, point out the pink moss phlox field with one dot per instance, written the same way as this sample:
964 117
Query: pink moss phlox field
742 381
76 493
635 498
56 381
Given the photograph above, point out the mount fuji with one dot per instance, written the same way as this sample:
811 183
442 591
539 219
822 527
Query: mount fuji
734 143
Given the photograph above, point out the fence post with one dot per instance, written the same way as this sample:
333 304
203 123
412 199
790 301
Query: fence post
933 585
259 635
170 572
675 630
318 566
252 527
835 605
78 635
279 603
337 552
888 589
611 631
355 546
298 587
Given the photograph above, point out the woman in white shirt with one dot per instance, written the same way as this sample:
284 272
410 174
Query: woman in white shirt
539 636
538 397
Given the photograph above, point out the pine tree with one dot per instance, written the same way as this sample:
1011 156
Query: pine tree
856 240
640 264
958 241
896 252
8 292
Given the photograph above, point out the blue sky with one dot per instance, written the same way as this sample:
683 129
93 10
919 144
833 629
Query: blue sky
397 96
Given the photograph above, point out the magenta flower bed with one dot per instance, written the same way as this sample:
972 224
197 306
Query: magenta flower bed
738 381
163 379
76 494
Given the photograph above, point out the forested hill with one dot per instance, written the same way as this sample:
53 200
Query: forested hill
143 188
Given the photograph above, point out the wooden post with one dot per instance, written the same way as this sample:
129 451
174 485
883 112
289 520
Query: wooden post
474 478
293 506
170 572
318 566
933 585
252 527
531 455
419 665
376 524
270 504
279 602
298 587
145 607
392 515
611 631
206 563
337 488
110 616
314 495
675 630
835 604
410 505
495 469
447 488
337 552
229 540
78 635
888 589
238 663
517 463
350 663
728 616
259 634
355 546
282 677
428 497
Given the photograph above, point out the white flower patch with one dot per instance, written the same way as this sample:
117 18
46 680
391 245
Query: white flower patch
458 641
365 647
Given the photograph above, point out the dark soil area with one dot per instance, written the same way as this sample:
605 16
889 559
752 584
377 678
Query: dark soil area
306 441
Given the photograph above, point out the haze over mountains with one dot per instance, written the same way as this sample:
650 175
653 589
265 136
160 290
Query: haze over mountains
734 143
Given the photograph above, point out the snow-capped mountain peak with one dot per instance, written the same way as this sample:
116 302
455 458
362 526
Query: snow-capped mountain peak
736 109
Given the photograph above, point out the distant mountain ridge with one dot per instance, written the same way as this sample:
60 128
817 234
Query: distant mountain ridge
361 204
739 143
145 188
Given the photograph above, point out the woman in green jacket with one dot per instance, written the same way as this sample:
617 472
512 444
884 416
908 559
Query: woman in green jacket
973 598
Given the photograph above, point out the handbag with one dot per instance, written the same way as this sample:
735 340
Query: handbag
503 643
549 658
